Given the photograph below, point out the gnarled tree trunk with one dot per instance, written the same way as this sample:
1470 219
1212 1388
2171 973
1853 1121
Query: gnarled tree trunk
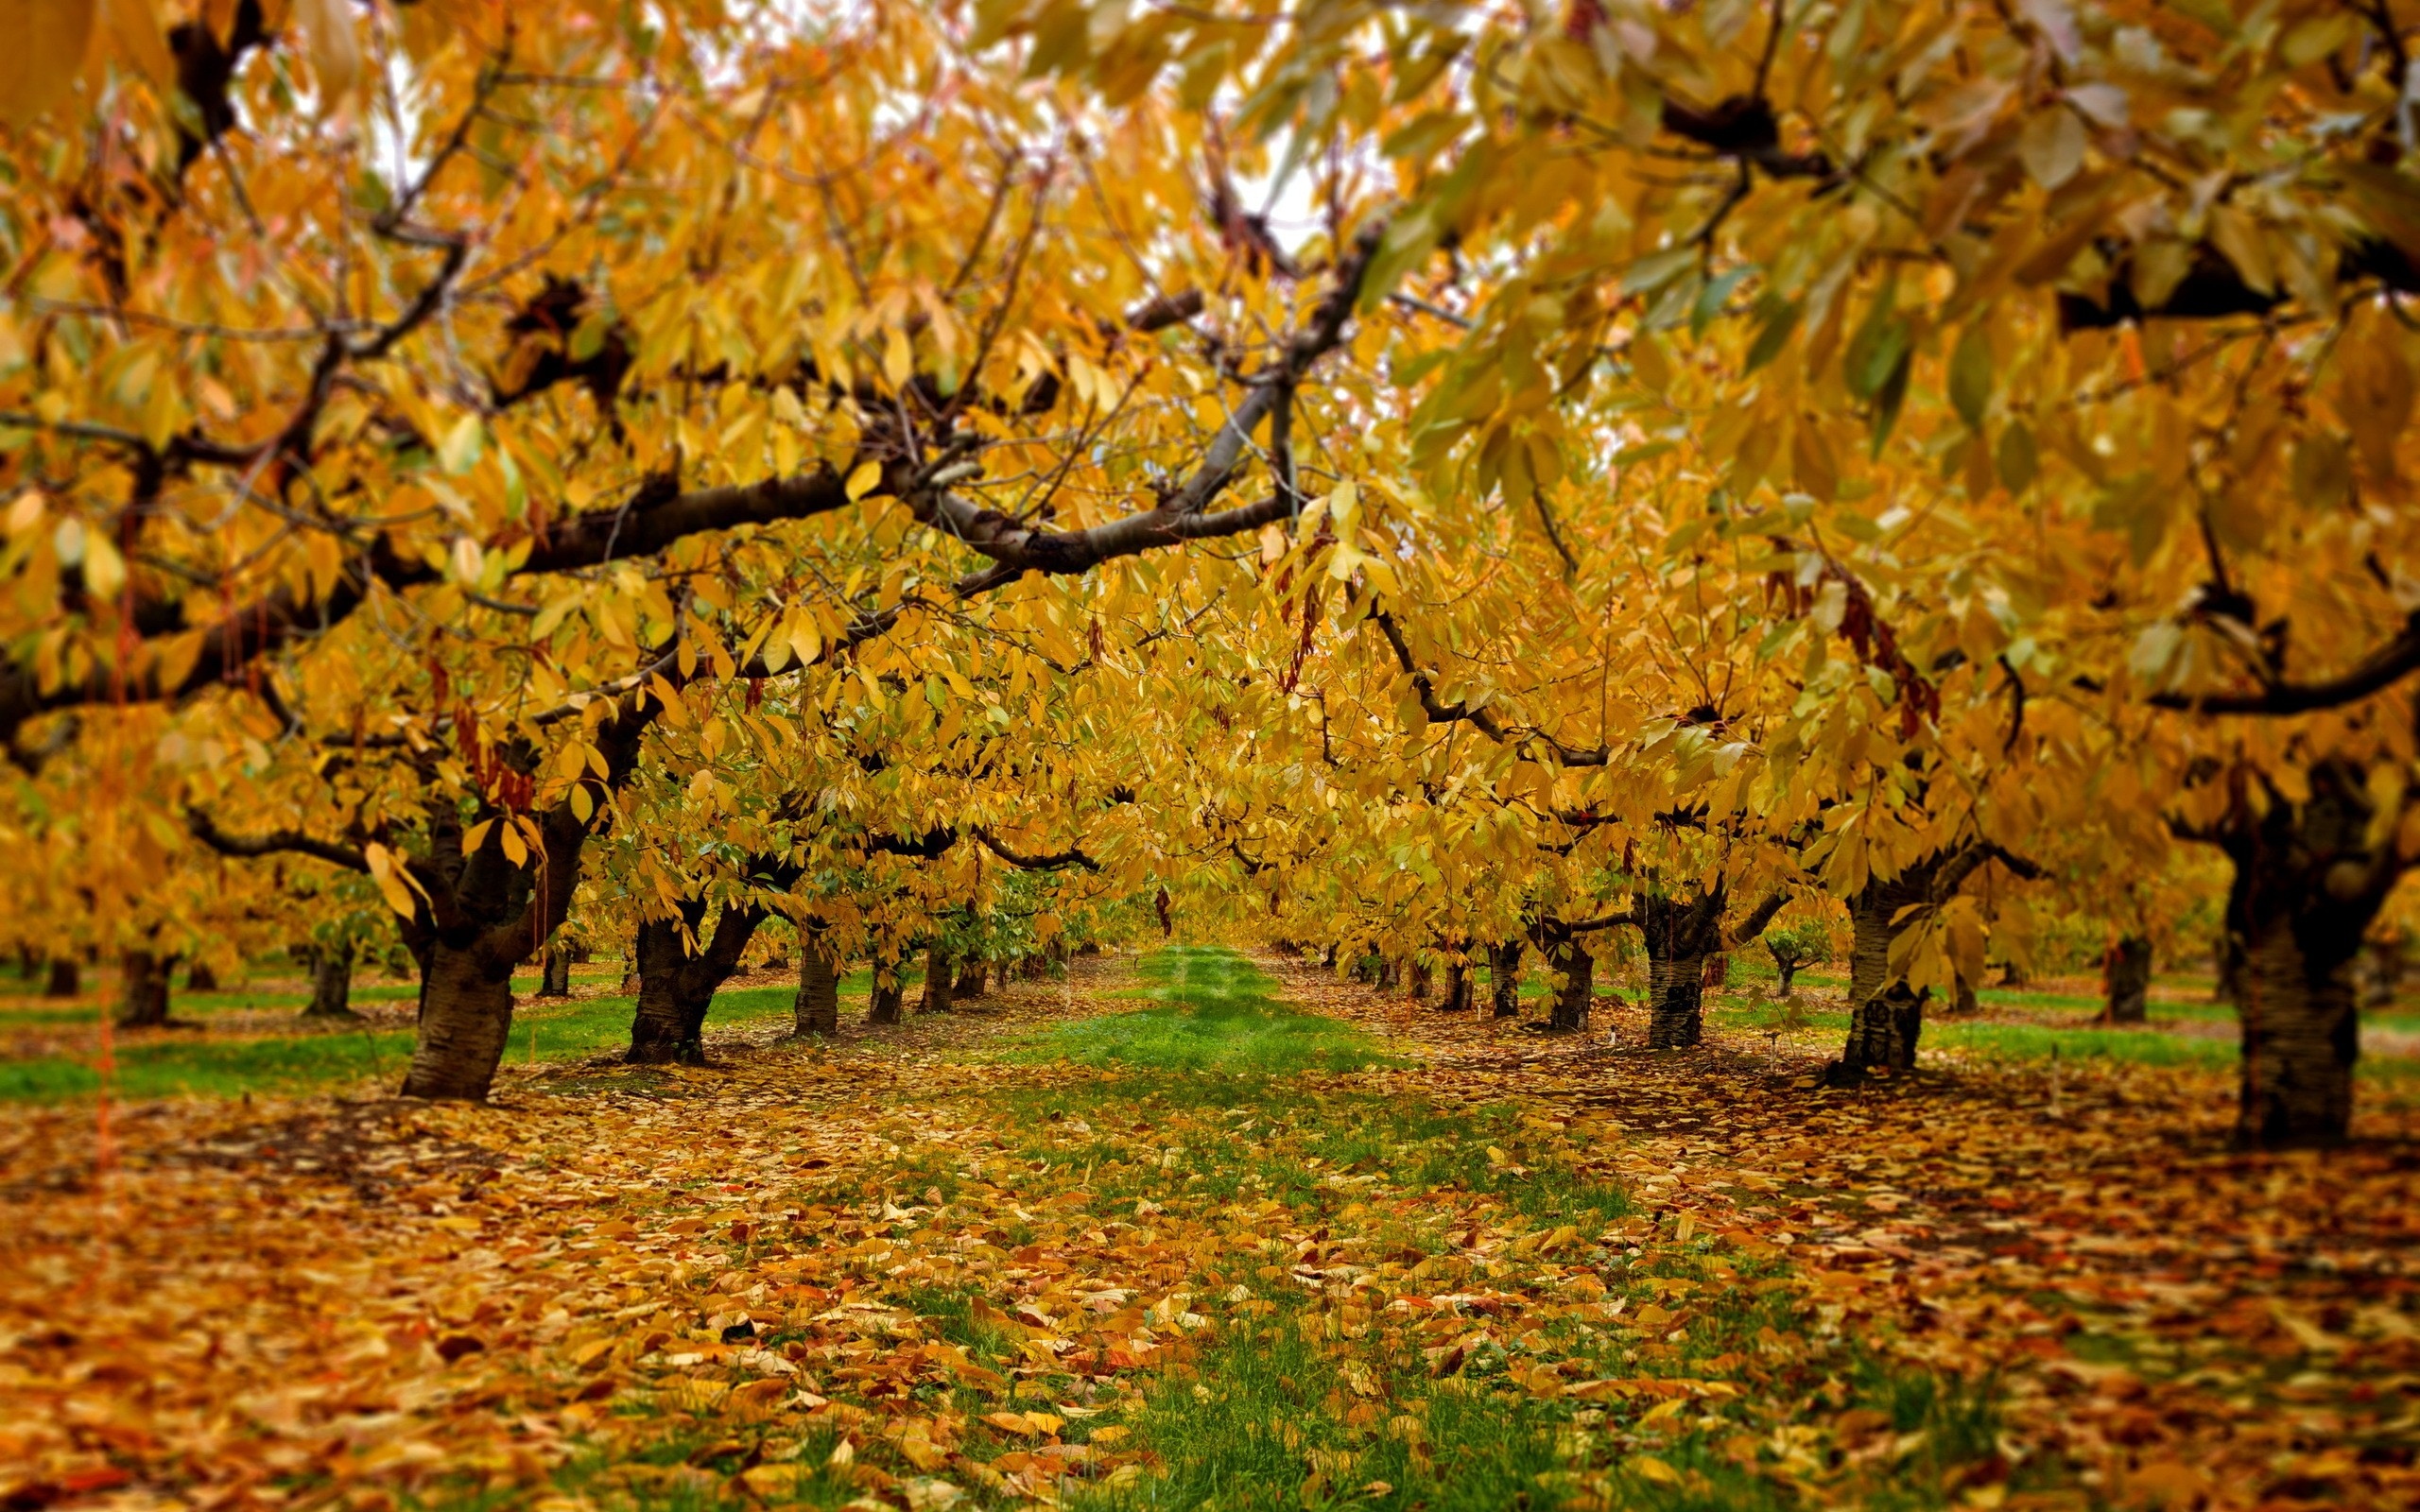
2307 885
1685 938
143 1002
332 984
1504 972
1886 1016
2126 972
818 1007
675 988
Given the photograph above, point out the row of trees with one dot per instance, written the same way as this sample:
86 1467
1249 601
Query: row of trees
1677 468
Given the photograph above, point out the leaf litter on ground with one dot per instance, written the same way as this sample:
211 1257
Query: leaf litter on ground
1209 1234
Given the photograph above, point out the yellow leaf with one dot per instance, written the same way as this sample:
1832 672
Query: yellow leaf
474 834
863 479
335 49
1647 1467
46 43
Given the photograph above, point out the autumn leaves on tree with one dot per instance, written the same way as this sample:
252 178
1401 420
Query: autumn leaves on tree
1912 468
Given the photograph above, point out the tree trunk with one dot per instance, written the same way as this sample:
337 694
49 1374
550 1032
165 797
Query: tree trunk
1676 1001
1788 966
1419 981
1457 987
67 979
1886 1017
973 975
2126 971
332 983
554 972
1967 1005
1390 973
2307 885
1576 990
676 988
817 1008
200 978
144 1003
937 980
465 1018
1504 970
889 995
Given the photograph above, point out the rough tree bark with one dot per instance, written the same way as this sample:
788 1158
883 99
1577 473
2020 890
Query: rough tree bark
2307 883
332 984
1684 935
1504 971
937 980
1577 990
1886 1016
818 1007
2126 972
143 1001
675 988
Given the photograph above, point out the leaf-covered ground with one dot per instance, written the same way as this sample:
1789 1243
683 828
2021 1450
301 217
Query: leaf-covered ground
1205 1232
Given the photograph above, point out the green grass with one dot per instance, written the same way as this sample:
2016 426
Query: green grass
1213 1014
288 1062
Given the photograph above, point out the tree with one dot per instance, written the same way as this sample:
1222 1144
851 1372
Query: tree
1799 946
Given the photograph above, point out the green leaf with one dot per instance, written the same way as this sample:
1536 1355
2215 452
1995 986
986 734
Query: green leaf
1970 375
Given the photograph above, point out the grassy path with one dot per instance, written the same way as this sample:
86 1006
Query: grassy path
1189 1236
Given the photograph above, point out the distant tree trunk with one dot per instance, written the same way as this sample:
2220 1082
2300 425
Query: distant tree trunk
2011 975
1390 973
1965 1005
1457 987
2378 969
1786 963
2126 972
200 978
143 1001
1328 958
676 988
1886 1020
2307 883
973 976
889 995
554 972
332 983
1577 988
67 979
1504 968
937 980
1419 983
818 1007
1685 954
28 963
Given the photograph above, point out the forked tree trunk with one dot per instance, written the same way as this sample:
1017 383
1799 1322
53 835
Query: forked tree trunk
554 972
2126 971
67 979
889 995
1685 954
676 988
143 1003
2308 884
1504 978
817 1008
938 995
1886 1020
1787 965
332 983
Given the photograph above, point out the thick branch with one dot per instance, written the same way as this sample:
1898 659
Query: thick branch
276 842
